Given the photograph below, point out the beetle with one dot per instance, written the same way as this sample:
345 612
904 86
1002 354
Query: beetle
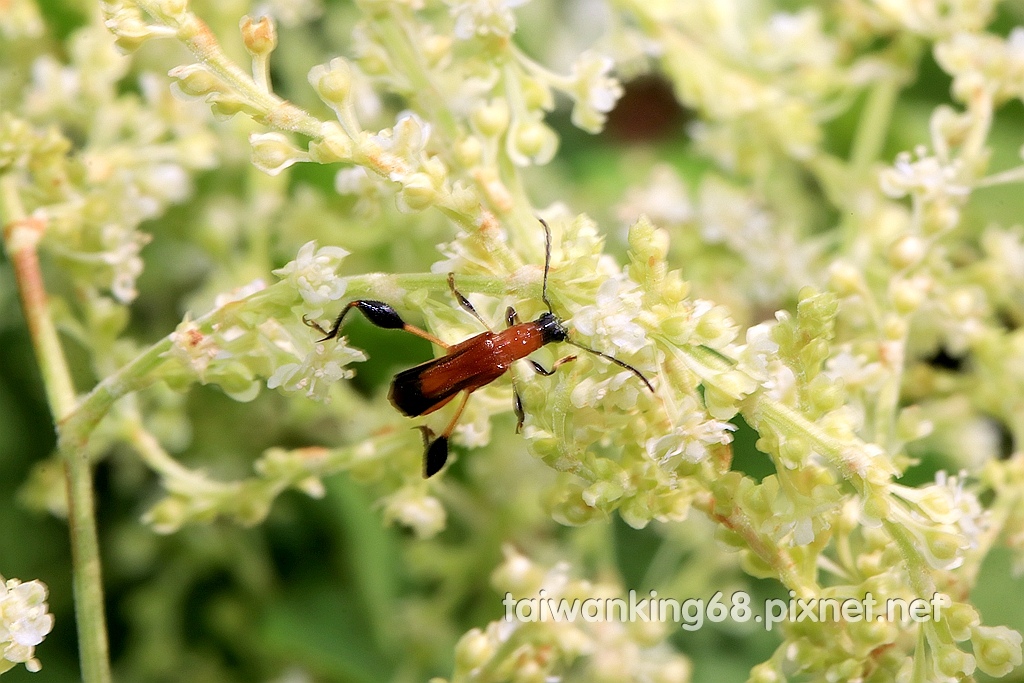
468 365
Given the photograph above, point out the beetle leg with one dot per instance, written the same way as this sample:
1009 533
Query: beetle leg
539 369
517 404
435 453
511 317
464 302
379 314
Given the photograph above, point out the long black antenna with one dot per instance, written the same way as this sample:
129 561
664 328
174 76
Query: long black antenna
547 263
615 360
544 297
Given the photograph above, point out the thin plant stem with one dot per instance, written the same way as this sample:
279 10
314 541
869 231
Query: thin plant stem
21 237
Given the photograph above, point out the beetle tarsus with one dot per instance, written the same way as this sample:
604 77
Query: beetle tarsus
435 452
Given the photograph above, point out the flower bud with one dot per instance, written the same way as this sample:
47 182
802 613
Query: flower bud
417 193
997 649
333 83
530 139
168 515
130 28
273 152
469 151
334 146
907 251
845 279
906 296
411 507
678 670
529 671
531 142
517 575
912 425
195 80
601 493
260 36
536 95
960 618
473 650
764 672
943 549
491 119
226 106
171 9
950 661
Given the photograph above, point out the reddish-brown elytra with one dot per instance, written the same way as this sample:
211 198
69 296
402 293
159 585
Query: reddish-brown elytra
468 365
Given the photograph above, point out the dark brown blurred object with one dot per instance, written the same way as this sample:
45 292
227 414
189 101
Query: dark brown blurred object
647 112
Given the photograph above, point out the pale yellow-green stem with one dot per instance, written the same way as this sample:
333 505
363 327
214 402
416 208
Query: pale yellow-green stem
21 237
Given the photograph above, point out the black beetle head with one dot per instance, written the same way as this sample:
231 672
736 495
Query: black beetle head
551 328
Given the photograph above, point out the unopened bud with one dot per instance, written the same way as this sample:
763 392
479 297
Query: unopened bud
195 80
273 152
335 145
260 36
469 151
226 106
333 82
418 192
906 251
491 119
473 650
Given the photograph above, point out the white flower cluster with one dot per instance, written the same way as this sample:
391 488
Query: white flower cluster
548 650
945 517
136 154
484 17
314 273
234 350
610 320
324 365
24 622
775 260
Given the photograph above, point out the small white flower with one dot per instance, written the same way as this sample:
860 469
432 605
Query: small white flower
927 178
24 621
324 365
192 348
854 371
122 248
353 180
781 384
167 183
794 40
754 358
611 319
594 90
239 293
947 502
690 436
484 17
412 507
314 274
406 141
663 199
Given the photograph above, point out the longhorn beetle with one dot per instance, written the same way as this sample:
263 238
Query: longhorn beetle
468 365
